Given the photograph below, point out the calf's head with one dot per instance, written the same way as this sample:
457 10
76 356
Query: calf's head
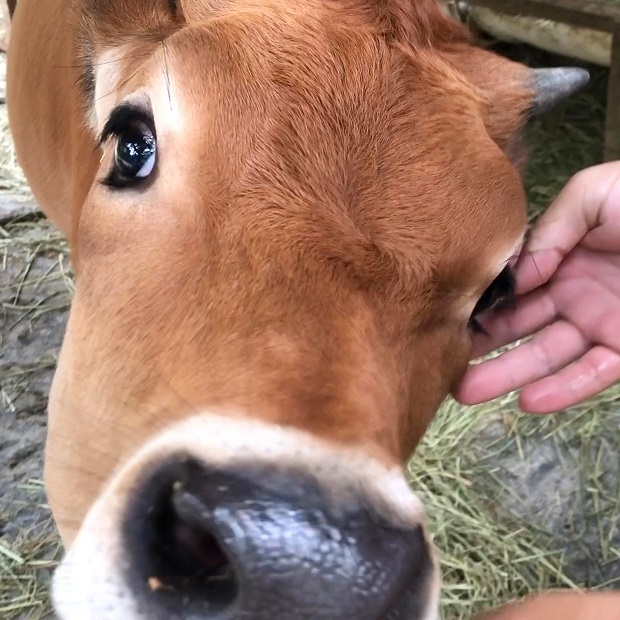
295 210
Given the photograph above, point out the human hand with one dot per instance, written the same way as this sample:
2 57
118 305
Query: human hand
568 287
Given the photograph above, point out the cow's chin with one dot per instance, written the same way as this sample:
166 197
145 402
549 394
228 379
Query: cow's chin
222 517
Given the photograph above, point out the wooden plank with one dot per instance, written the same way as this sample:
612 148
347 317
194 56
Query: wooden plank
593 14
612 128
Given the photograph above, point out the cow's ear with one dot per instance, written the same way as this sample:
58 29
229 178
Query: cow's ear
513 93
502 85
553 85
504 80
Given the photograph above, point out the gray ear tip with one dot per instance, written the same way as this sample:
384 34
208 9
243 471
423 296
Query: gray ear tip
581 71
576 77
552 85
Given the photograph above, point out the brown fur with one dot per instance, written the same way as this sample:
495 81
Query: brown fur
305 252
342 185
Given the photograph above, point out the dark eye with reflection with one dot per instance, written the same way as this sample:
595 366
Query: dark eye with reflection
135 148
500 294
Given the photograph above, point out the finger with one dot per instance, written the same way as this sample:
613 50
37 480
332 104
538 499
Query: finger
596 371
590 304
533 269
606 235
533 312
586 211
549 351
576 210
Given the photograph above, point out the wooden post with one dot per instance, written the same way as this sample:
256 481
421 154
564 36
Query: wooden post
593 14
612 129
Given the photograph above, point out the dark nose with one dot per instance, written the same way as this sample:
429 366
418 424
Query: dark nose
260 542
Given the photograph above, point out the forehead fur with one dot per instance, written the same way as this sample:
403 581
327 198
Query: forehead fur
142 26
101 24
345 105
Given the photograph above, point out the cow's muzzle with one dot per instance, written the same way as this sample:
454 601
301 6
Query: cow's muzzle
256 543
303 533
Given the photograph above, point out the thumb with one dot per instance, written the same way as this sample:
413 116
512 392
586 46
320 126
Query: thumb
576 212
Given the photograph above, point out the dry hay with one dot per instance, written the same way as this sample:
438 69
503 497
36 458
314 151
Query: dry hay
489 555
26 565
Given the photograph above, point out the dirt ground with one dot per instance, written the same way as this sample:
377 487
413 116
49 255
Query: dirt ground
34 299
30 343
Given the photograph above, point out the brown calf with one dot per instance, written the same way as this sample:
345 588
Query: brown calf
283 216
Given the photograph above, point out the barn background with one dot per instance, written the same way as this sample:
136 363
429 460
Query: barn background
517 503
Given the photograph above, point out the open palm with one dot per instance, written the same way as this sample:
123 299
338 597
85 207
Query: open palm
569 287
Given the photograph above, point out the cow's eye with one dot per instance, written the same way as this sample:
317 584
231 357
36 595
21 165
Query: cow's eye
135 147
499 294
134 155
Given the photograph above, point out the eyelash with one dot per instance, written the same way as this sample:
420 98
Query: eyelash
476 327
502 292
120 118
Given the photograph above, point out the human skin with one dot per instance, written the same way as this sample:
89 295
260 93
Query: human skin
568 288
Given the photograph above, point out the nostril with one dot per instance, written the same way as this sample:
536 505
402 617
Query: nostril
267 542
178 555
192 537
